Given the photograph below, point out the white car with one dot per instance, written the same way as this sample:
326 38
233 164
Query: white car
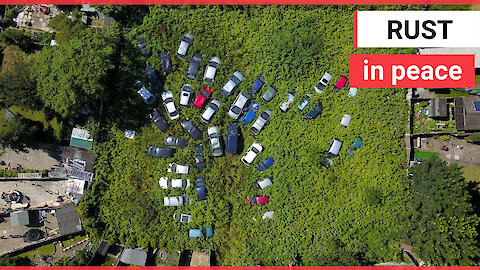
210 111
186 94
232 83
323 82
252 153
261 121
170 105
211 69
237 106
264 183
214 136
184 44
291 96
177 168
174 201
165 183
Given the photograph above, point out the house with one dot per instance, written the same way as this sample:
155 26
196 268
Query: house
81 138
134 257
438 108
19 218
467 113
68 220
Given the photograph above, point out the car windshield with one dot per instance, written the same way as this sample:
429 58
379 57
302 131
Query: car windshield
264 115
204 93
236 109
186 94
168 100
255 150
214 106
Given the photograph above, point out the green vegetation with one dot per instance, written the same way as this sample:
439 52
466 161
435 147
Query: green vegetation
424 154
471 173
442 215
111 261
423 124
45 250
19 133
80 258
8 260
75 239
477 79
473 138
66 28
452 93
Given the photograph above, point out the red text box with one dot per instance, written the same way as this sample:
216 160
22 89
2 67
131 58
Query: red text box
412 71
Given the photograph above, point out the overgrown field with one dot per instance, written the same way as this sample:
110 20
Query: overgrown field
346 213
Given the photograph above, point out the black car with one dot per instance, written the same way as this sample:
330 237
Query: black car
154 79
142 44
157 118
166 62
191 129
155 151
317 110
200 162
176 141
201 189
194 65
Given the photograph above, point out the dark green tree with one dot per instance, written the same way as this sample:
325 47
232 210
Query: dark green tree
442 225
12 36
8 260
474 137
19 133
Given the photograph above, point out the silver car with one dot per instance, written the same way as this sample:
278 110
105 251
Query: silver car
186 94
211 69
170 105
237 106
261 121
212 107
232 83
214 136
185 42
177 168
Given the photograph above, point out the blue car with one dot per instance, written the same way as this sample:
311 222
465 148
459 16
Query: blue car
257 84
266 164
206 232
250 115
232 137
201 190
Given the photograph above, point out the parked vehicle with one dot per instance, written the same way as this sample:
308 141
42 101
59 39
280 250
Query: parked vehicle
205 232
250 115
154 79
174 201
341 82
199 158
199 101
142 44
165 183
166 62
305 101
232 83
237 107
232 138
269 94
201 189
345 120
260 200
214 136
158 120
194 65
323 82
259 82
170 105
211 109
266 164
252 152
177 168
335 147
185 42
264 183
191 129
211 69
185 95
176 141
261 121
317 110
185 218
148 97
155 151
284 106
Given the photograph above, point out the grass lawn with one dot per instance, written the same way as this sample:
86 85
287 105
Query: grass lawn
38 116
109 261
43 250
70 241
453 93
422 154
471 173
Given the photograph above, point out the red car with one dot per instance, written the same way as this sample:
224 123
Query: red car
341 82
261 200
199 102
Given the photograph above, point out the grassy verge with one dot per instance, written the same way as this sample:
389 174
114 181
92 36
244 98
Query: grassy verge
70 241
422 154
453 93
45 250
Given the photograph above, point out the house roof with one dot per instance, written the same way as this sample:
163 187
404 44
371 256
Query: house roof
438 107
474 51
68 220
466 117
20 218
103 248
134 257
81 138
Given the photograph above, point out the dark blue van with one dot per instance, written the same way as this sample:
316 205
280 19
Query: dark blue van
232 138
259 82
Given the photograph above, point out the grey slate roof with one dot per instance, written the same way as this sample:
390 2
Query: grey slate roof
20 218
134 257
68 220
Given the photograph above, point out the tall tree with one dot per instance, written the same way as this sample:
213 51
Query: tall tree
442 225
76 73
